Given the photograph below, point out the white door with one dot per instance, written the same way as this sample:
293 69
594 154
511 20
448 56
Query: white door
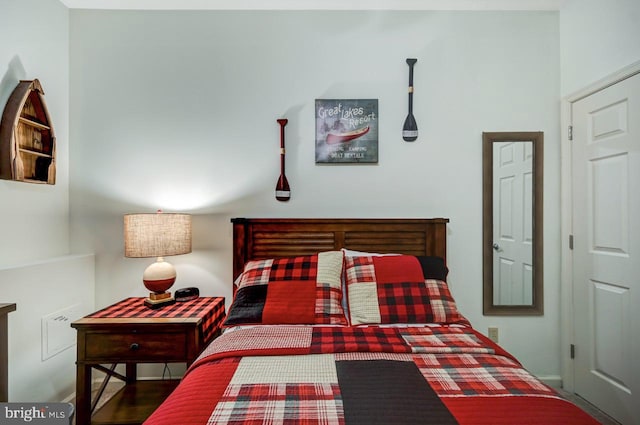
606 268
512 227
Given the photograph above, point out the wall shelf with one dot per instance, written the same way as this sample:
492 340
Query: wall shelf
27 138
32 123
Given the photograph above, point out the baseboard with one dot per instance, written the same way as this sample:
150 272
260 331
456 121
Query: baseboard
554 381
70 398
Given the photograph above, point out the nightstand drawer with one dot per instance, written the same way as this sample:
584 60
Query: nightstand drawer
165 346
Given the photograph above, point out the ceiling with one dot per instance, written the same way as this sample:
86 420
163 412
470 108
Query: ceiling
316 4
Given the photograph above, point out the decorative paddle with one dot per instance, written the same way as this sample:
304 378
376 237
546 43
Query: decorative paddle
283 192
410 128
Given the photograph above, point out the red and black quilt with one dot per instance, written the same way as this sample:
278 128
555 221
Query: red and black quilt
361 375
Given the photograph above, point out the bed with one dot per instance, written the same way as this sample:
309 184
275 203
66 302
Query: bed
350 321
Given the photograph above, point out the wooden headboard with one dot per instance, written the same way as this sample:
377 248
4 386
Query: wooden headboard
260 238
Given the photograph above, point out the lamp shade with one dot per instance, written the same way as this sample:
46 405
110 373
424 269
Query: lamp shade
157 235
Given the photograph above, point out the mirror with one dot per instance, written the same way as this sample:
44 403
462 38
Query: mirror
512 223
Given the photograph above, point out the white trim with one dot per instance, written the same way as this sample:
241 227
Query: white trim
554 381
566 255
553 5
566 192
50 260
603 83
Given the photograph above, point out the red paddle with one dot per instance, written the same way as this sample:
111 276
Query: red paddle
283 192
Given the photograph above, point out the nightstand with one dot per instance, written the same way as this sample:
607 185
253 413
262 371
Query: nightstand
130 333
5 309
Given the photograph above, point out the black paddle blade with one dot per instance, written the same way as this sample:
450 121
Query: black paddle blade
410 129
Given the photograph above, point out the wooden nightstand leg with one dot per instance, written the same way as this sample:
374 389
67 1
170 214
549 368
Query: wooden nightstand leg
105 381
83 394
132 373
4 359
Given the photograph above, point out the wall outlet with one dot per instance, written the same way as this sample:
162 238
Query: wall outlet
493 334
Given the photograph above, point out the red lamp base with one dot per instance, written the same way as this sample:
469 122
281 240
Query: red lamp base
159 286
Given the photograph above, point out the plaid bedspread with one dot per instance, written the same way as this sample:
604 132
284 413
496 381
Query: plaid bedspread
361 375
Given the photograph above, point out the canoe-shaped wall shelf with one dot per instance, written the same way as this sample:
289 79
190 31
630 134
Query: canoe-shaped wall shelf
27 139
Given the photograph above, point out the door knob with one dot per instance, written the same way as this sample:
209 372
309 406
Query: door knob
496 247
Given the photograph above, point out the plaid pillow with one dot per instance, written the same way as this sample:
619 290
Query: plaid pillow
296 290
395 289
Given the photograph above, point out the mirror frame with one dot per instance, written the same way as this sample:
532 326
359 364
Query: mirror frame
537 308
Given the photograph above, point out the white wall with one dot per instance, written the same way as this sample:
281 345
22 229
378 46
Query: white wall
597 38
36 271
177 110
34 219
60 289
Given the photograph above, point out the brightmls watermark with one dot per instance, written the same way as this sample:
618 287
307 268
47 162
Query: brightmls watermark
36 413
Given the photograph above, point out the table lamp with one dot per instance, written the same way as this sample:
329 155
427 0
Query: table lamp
157 235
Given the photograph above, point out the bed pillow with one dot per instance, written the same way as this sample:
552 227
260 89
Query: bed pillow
398 289
295 290
433 267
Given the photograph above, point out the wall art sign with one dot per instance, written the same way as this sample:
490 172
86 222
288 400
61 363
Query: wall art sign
346 131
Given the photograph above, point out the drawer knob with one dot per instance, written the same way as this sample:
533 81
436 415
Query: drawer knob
135 346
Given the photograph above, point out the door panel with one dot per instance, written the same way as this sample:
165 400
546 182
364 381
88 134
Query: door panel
611 311
513 227
609 188
606 257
